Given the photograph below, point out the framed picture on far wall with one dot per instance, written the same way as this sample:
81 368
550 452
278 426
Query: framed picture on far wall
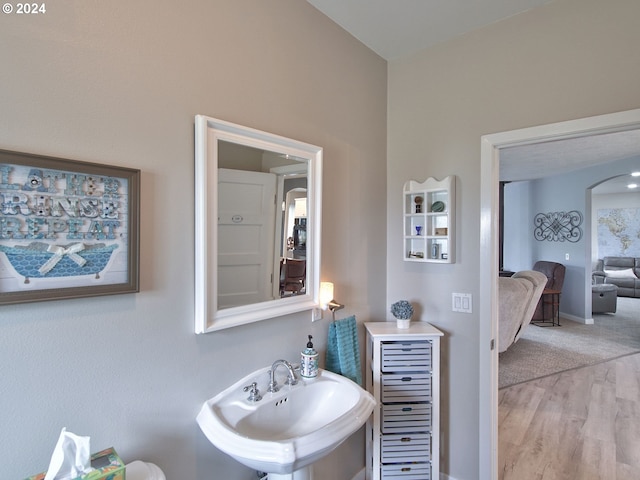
67 228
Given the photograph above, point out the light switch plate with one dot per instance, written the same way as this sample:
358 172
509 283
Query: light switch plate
462 302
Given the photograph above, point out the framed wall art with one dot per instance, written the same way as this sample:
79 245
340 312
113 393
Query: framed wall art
67 228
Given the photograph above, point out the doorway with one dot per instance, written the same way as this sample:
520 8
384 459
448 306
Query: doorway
489 208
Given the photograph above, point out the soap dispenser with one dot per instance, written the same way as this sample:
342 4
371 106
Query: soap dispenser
309 361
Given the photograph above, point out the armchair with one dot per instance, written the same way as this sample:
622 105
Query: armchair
555 279
293 276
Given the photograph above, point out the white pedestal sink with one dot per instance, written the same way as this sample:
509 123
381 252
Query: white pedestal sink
305 473
285 432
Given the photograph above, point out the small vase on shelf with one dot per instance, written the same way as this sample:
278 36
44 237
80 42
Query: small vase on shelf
403 322
402 311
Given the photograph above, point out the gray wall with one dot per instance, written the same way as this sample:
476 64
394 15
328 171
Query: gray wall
119 83
518 230
565 60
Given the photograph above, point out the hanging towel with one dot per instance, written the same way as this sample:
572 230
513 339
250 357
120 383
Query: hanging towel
343 351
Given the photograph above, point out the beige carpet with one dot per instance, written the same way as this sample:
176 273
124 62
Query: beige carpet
543 351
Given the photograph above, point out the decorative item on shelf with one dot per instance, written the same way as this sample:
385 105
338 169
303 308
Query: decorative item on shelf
442 231
402 311
435 250
416 254
437 207
418 230
418 201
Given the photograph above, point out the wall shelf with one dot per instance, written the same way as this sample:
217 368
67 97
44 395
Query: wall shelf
429 220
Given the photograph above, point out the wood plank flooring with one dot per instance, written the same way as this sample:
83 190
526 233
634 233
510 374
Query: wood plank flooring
583 424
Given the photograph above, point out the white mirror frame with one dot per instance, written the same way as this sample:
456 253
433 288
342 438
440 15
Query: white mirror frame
208 131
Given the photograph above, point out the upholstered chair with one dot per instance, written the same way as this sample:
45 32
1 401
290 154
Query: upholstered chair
517 297
555 279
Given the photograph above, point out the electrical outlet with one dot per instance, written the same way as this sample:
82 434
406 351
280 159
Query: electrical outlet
316 315
566 256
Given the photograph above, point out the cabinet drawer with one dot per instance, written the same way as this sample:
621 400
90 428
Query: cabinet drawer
406 356
407 387
406 448
404 418
414 471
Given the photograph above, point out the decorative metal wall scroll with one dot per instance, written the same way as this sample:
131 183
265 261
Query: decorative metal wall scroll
558 226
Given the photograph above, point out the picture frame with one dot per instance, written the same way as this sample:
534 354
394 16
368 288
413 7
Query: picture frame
68 228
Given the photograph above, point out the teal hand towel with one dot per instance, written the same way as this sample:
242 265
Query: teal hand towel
343 350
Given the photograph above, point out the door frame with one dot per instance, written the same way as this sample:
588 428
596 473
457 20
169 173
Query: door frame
490 146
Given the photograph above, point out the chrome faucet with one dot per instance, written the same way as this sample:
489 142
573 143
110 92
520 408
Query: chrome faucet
291 378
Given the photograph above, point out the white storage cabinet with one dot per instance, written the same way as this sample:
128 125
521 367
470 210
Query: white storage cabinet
403 374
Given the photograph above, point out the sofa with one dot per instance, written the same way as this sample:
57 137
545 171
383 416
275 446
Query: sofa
624 272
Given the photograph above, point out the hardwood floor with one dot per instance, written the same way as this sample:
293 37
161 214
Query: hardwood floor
583 424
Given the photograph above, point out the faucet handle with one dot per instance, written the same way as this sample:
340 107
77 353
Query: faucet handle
254 393
273 386
291 377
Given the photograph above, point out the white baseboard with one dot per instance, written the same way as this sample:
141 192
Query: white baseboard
360 475
573 318
444 476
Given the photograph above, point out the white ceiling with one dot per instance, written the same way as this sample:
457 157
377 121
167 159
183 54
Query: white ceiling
541 160
397 28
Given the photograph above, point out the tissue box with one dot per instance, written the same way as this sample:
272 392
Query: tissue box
108 466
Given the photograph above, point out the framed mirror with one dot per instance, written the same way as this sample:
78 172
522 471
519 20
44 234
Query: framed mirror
258 218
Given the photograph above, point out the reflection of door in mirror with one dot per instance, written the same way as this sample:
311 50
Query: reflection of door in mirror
246 212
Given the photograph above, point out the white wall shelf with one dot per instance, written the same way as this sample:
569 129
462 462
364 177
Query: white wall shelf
403 374
429 220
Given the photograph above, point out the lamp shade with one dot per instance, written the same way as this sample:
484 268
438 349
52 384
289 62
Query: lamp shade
326 294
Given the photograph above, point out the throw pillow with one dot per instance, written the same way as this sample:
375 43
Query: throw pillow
625 273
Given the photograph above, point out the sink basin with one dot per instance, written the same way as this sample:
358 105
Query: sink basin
287 430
